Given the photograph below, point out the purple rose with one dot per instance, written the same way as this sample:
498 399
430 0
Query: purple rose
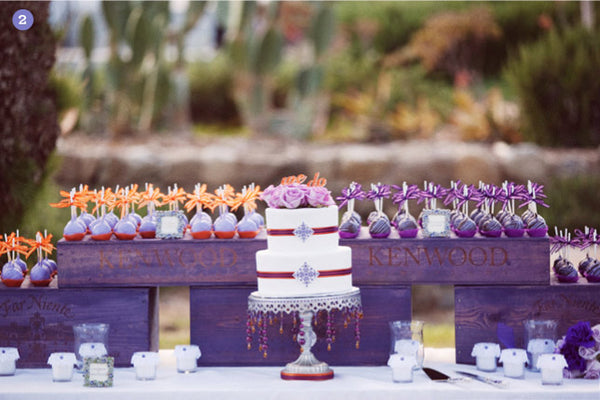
319 196
273 196
293 196
587 353
596 332
593 370
580 334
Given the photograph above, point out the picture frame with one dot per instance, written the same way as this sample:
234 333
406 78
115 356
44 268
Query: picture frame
170 224
436 223
98 371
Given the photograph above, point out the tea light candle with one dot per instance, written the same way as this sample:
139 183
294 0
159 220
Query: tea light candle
537 347
62 366
145 363
513 361
8 360
187 356
486 355
552 366
402 367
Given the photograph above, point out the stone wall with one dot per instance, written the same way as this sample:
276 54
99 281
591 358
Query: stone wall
238 161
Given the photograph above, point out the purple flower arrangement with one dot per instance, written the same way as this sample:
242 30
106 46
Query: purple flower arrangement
581 348
293 193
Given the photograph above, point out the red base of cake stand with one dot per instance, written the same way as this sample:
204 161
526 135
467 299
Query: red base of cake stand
306 377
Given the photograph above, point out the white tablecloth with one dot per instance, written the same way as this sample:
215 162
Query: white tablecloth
264 383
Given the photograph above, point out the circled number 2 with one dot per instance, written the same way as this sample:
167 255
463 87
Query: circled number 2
22 19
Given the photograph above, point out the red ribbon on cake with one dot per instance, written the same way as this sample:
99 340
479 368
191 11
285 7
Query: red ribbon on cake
290 275
290 232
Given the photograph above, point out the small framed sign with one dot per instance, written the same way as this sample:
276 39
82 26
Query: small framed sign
436 223
98 371
170 224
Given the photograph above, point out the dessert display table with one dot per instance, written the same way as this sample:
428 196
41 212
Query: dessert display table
351 383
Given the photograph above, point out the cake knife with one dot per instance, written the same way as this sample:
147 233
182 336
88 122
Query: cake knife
494 382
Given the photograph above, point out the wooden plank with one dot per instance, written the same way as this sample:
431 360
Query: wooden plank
479 310
218 326
392 261
39 321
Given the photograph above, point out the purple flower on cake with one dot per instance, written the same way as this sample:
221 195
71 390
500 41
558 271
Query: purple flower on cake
272 196
319 196
295 194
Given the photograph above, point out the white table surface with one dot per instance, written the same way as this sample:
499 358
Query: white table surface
264 383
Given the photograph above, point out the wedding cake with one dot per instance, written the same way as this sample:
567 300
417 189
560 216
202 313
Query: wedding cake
303 256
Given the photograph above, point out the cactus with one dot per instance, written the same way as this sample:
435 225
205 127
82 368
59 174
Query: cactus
137 72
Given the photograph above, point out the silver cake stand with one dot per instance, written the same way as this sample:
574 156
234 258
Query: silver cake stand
306 367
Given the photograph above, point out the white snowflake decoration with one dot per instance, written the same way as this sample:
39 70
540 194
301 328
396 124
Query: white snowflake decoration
306 274
303 231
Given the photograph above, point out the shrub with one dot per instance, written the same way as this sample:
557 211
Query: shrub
211 93
451 42
574 202
556 81
29 125
523 22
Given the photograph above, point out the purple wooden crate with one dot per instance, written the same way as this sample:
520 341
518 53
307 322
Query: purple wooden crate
39 321
218 326
392 261
152 262
479 311
477 260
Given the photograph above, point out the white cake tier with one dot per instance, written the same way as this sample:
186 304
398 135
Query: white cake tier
302 229
310 273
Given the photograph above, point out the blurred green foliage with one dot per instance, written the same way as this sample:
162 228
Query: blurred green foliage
556 81
211 92
574 202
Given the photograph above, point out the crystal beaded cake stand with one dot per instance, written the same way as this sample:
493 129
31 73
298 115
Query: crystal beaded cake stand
306 367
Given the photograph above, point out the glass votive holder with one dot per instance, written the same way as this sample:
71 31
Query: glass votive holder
539 339
486 356
145 364
92 350
89 333
552 366
513 361
187 357
8 360
402 367
407 340
62 366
